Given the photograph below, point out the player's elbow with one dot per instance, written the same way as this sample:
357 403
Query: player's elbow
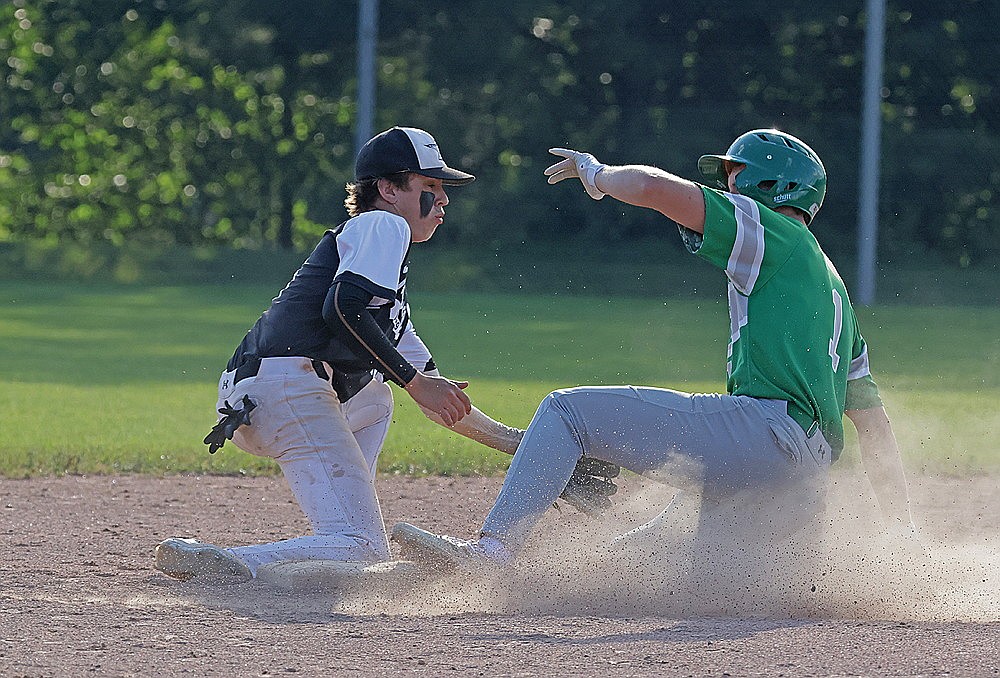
342 309
677 199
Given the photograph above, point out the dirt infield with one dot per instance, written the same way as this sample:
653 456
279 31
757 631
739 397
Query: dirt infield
79 596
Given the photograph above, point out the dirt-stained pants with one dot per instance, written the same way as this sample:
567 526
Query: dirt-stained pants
327 451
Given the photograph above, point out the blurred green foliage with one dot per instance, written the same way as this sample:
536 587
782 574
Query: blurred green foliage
210 122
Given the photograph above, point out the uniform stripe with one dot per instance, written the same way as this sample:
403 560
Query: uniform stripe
859 366
838 326
737 320
744 263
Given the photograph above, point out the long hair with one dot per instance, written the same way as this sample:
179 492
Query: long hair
362 195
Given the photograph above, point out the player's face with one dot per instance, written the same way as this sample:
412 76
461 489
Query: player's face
422 205
732 169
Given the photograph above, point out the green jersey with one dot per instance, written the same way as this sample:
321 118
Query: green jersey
793 332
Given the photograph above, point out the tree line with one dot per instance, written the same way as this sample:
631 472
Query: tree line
230 122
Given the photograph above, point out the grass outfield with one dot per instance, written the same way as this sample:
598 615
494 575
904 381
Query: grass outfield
107 379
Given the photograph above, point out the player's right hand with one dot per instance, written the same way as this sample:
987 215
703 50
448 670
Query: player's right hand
442 396
583 166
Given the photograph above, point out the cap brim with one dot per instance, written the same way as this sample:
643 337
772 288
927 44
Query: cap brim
447 175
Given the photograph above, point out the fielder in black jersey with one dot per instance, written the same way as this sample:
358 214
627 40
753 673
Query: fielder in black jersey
306 318
307 385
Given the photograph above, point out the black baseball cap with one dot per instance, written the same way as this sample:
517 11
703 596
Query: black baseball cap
405 149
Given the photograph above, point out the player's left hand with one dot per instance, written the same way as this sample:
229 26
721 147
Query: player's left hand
590 486
583 166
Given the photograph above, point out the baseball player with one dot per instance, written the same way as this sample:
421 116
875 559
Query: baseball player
308 387
796 364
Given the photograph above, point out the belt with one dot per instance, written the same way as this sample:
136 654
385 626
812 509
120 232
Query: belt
252 367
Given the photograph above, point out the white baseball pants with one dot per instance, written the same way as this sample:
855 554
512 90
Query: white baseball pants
327 451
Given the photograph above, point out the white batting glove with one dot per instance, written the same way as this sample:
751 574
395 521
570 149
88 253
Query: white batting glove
583 166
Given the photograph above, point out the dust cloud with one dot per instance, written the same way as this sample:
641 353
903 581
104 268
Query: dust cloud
846 567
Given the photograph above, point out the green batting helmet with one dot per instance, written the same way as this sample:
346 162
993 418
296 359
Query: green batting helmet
780 170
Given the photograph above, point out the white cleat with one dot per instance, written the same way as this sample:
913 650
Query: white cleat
449 552
186 559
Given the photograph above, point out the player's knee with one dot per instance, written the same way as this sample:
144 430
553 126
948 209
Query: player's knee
563 394
563 398
562 403
552 402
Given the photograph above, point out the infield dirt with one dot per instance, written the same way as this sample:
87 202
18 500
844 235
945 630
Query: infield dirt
79 595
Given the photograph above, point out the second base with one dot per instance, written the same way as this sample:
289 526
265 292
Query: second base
334 576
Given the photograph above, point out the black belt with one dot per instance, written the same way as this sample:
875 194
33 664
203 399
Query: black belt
252 367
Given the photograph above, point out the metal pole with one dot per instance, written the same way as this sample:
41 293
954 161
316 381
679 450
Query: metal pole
367 37
868 175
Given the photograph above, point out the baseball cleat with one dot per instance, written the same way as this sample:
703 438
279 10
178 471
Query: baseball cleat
448 552
186 559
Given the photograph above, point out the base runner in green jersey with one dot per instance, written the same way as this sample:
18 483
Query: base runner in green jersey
797 363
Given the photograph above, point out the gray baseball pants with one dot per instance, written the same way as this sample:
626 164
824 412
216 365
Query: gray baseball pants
740 451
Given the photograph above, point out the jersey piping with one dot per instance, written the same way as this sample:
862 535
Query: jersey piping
385 366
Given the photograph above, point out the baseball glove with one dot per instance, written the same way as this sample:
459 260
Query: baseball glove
590 486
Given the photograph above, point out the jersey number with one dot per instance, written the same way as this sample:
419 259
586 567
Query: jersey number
838 326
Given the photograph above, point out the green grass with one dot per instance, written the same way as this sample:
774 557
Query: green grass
105 379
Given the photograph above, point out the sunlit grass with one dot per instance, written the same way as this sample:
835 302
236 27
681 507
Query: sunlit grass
106 379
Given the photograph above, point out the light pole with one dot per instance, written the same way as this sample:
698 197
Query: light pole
868 174
364 126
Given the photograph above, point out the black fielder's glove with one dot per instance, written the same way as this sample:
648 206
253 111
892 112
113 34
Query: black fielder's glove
590 486
232 419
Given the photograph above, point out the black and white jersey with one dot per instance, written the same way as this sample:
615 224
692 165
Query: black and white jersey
373 253
369 251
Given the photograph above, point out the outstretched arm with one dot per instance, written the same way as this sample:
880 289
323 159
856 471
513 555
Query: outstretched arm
676 198
884 467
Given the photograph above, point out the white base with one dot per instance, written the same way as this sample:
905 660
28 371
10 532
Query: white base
334 576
